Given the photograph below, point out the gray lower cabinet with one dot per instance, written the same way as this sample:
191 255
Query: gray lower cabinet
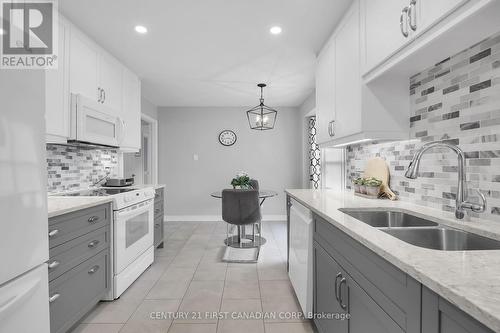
79 264
74 293
440 316
159 213
351 280
326 303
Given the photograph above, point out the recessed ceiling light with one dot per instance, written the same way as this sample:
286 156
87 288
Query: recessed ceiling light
141 29
276 30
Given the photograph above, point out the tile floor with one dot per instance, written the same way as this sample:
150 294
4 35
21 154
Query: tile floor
189 276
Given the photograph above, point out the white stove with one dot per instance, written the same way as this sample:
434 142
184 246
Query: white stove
122 197
133 233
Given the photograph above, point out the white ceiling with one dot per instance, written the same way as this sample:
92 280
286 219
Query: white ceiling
213 52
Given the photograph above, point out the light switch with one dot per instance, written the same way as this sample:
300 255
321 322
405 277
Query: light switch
195 157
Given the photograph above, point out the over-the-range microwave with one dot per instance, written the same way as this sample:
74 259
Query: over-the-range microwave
94 123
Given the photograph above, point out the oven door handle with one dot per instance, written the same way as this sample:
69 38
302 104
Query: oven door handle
135 212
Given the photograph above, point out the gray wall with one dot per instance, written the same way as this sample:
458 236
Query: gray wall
273 157
149 108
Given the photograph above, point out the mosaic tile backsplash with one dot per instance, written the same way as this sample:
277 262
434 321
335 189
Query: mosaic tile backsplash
457 100
74 167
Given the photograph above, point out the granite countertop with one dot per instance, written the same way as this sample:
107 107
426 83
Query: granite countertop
468 279
58 205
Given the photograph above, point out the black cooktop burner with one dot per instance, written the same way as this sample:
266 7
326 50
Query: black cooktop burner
101 192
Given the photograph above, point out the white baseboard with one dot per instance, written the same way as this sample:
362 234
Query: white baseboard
214 218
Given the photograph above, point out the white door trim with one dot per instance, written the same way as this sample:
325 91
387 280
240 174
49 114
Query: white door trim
154 146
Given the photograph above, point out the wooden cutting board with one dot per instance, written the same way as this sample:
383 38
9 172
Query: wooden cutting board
378 168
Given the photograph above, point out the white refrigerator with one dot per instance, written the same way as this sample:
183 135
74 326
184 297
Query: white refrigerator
24 296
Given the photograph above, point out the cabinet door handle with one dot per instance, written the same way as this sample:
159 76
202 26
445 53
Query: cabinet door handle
54 264
93 219
52 233
54 297
98 95
411 14
331 129
93 269
339 275
103 96
402 24
93 243
341 300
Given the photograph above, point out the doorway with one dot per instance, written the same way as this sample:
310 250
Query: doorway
143 165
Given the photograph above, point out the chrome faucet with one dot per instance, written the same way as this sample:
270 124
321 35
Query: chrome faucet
461 197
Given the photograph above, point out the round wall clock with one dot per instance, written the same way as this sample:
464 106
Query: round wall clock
227 138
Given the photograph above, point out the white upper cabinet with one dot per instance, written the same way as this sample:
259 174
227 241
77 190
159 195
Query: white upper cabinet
87 69
131 112
409 33
84 66
429 12
325 93
57 91
347 76
110 81
346 110
384 33
94 73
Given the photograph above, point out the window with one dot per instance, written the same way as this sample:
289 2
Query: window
314 156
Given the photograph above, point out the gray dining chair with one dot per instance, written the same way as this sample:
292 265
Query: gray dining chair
254 183
241 207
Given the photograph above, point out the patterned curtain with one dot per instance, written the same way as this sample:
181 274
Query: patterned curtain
314 155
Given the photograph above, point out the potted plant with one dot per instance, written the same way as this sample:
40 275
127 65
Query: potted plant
357 184
241 181
372 186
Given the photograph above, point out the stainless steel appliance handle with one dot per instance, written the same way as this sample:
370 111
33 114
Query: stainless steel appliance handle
52 233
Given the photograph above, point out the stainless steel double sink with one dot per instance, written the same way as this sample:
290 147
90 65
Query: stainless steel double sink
422 232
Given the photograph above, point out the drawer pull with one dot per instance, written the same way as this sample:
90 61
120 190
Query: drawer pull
52 233
157 225
93 219
94 269
54 297
93 243
54 264
157 210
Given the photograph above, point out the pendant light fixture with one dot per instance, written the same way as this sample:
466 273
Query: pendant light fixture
261 117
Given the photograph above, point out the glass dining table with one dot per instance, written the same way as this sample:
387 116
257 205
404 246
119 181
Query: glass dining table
263 195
